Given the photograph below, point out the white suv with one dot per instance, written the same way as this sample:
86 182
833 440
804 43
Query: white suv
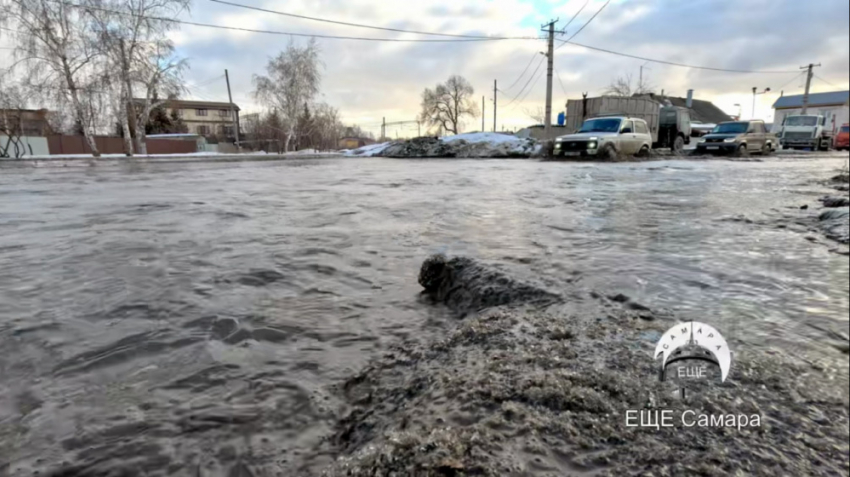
606 138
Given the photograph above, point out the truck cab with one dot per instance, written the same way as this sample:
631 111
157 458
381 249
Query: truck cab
606 138
805 132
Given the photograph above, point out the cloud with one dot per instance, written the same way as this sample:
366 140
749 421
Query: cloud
369 80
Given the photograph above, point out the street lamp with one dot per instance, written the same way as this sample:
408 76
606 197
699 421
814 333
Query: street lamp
756 93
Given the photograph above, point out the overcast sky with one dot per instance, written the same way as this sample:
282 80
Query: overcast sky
371 80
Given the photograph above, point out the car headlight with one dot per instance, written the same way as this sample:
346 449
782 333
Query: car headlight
729 139
701 141
592 145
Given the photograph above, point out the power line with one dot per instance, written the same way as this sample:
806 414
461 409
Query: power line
373 27
557 73
533 56
671 63
576 15
529 91
586 23
527 82
272 32
825 81
797 76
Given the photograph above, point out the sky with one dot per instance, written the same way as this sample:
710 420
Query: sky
368 81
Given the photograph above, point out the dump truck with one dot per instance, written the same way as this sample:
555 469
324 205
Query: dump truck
669 126
808 131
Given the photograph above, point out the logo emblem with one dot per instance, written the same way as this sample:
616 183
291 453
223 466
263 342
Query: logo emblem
694 335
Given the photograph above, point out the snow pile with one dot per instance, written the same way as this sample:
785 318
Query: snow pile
371 150
462 145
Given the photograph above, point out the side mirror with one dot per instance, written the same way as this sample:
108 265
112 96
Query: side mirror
626 131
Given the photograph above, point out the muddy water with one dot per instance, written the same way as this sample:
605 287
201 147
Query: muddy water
194 318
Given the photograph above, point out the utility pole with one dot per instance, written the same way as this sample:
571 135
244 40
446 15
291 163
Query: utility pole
550 56
233 111
383 128
482 113
808 85
495 103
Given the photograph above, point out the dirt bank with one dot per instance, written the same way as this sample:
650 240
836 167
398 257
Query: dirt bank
541 386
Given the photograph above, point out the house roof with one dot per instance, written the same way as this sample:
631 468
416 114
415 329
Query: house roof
815 99
701 111
186 104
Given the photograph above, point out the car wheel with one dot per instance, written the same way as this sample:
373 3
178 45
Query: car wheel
767 149
644 152
679 145
608 153
742 151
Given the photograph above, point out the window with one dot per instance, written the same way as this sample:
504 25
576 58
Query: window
200 112
628 125
758 128
807 121
203 130
640 127
600 125
731 128
224 113
845 129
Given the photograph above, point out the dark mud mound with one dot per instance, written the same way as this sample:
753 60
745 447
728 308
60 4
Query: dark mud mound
522 392
419 147
467 286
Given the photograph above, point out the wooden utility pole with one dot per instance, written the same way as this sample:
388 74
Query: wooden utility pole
550 56
808 85
383 128
233 111
495 103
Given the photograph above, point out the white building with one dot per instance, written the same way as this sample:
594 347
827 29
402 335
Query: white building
835 107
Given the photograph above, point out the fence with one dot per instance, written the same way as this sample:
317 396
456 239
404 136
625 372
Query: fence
24 146
70 145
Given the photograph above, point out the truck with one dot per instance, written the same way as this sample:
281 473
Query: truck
805 131
669 126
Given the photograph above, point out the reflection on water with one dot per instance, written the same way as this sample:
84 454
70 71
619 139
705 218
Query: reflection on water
171 318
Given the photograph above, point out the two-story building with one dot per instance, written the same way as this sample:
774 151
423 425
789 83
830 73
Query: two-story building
205 118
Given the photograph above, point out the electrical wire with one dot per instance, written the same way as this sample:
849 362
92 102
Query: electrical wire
586 23
373 27
527 82
523 71
272 32
527 92
576 15
671 63
825 81
797 76
562 83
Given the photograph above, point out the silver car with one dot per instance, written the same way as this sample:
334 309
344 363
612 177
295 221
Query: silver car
607 138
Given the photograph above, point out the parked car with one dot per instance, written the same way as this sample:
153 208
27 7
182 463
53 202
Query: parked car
842 139
739 137
606 138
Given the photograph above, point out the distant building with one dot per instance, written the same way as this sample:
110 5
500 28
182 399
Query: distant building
32 122
355 142
205 118
835 107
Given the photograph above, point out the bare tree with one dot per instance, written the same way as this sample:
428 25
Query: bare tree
447 104
12 104
56 47
624 86
133 38
292 82
537 115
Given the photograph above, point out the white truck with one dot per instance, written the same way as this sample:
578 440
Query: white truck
808 131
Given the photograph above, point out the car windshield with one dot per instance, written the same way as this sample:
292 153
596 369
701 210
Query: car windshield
601 125
845 129
731 128
802 121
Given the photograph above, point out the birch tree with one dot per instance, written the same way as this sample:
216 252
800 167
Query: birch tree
448 104
57 51
292 81
133 38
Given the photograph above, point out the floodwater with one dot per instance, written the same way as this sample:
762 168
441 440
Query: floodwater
193 319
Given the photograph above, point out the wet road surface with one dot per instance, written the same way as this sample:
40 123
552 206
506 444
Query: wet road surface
174 317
